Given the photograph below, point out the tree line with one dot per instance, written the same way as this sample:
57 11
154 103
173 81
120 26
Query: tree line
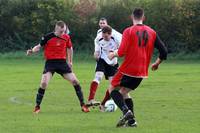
23 22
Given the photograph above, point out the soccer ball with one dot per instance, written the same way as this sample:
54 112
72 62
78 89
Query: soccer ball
110 106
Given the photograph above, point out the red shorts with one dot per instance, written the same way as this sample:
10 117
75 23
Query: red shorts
122 80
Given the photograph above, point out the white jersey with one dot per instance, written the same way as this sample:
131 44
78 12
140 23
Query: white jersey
104 47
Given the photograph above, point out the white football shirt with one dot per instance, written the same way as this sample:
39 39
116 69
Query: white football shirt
104 47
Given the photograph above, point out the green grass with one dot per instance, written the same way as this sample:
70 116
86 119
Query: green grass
166 102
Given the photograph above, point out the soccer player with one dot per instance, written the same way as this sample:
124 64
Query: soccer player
56 46
104 43
102 23
138 42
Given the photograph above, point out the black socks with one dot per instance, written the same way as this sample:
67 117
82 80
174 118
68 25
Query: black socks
39 96
79 93
129 103
118 99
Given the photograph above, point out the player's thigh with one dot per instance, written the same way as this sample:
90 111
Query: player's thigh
110 80
110 71
46 77
130 82
100 66
71 77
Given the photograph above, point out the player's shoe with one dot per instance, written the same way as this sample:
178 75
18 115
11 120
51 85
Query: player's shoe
36 109
85 109
102 108
92 103
128 124
125 118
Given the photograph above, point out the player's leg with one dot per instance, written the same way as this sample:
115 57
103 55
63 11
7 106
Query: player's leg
105 99
107 96
129 102
99 73
71 77
109 72
127 98
127 84
118 99
46 77
93 88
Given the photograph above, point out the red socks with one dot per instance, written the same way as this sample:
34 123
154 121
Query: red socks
93 89
106 97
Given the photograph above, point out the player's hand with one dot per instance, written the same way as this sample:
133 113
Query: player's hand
111 55
154 66
29 52
70 64
96 56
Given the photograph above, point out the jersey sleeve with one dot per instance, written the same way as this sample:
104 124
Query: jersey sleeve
97 48
44 40
124 43
99 32
161 48
118 37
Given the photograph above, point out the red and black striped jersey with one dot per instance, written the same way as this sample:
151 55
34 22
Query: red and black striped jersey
54 46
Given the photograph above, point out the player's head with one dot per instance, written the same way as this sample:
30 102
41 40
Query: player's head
138 14
60 27
106 32
102 22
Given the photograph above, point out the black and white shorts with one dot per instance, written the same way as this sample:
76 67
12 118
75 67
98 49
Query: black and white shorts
59 66
107 69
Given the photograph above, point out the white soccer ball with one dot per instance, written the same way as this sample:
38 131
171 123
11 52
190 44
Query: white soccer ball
110 106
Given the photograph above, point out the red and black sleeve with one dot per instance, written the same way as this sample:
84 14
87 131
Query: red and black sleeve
46 38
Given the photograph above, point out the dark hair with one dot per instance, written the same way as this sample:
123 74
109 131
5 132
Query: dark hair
103 18
60 23
107 29
138 13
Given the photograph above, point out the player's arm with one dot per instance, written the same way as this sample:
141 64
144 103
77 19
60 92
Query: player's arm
96 55
35 49
97 48
69 52
70 56
162 53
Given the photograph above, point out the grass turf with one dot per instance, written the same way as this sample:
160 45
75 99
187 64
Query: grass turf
166 102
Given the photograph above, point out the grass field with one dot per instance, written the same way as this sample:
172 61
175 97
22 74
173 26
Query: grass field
166 102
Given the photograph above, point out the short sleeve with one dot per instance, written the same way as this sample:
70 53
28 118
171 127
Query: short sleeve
43 41
46 38
117 36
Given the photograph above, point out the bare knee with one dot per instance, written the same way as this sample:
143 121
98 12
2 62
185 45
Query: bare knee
125 93
75 82
43 85
98 77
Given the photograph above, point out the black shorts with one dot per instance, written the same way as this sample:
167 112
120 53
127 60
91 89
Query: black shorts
125 81
107 69
59 66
